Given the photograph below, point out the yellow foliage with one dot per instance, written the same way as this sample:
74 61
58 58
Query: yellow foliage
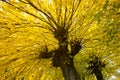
28 26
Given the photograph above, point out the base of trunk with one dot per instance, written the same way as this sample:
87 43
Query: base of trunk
69 71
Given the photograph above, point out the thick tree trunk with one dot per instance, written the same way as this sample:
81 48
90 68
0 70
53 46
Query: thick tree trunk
67 66
64 60
69 71
98 74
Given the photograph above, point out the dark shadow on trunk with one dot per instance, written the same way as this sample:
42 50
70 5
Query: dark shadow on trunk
98 74
69 71
63 57
65 62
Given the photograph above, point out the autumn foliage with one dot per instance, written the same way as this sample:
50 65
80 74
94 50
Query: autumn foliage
59 39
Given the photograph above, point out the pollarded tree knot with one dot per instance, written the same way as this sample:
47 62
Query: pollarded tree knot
75 47
61 56
61 34
46 54
95 63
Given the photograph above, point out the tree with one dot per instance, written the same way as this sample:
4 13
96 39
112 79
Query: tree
102 61
52 31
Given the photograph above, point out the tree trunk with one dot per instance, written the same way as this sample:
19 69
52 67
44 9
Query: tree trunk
98 74
69 71
64 60
67 66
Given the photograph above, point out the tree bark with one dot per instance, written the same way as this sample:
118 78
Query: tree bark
67 66
98 74
64 60
69 71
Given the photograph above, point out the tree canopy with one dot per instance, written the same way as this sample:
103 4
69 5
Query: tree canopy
59 39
